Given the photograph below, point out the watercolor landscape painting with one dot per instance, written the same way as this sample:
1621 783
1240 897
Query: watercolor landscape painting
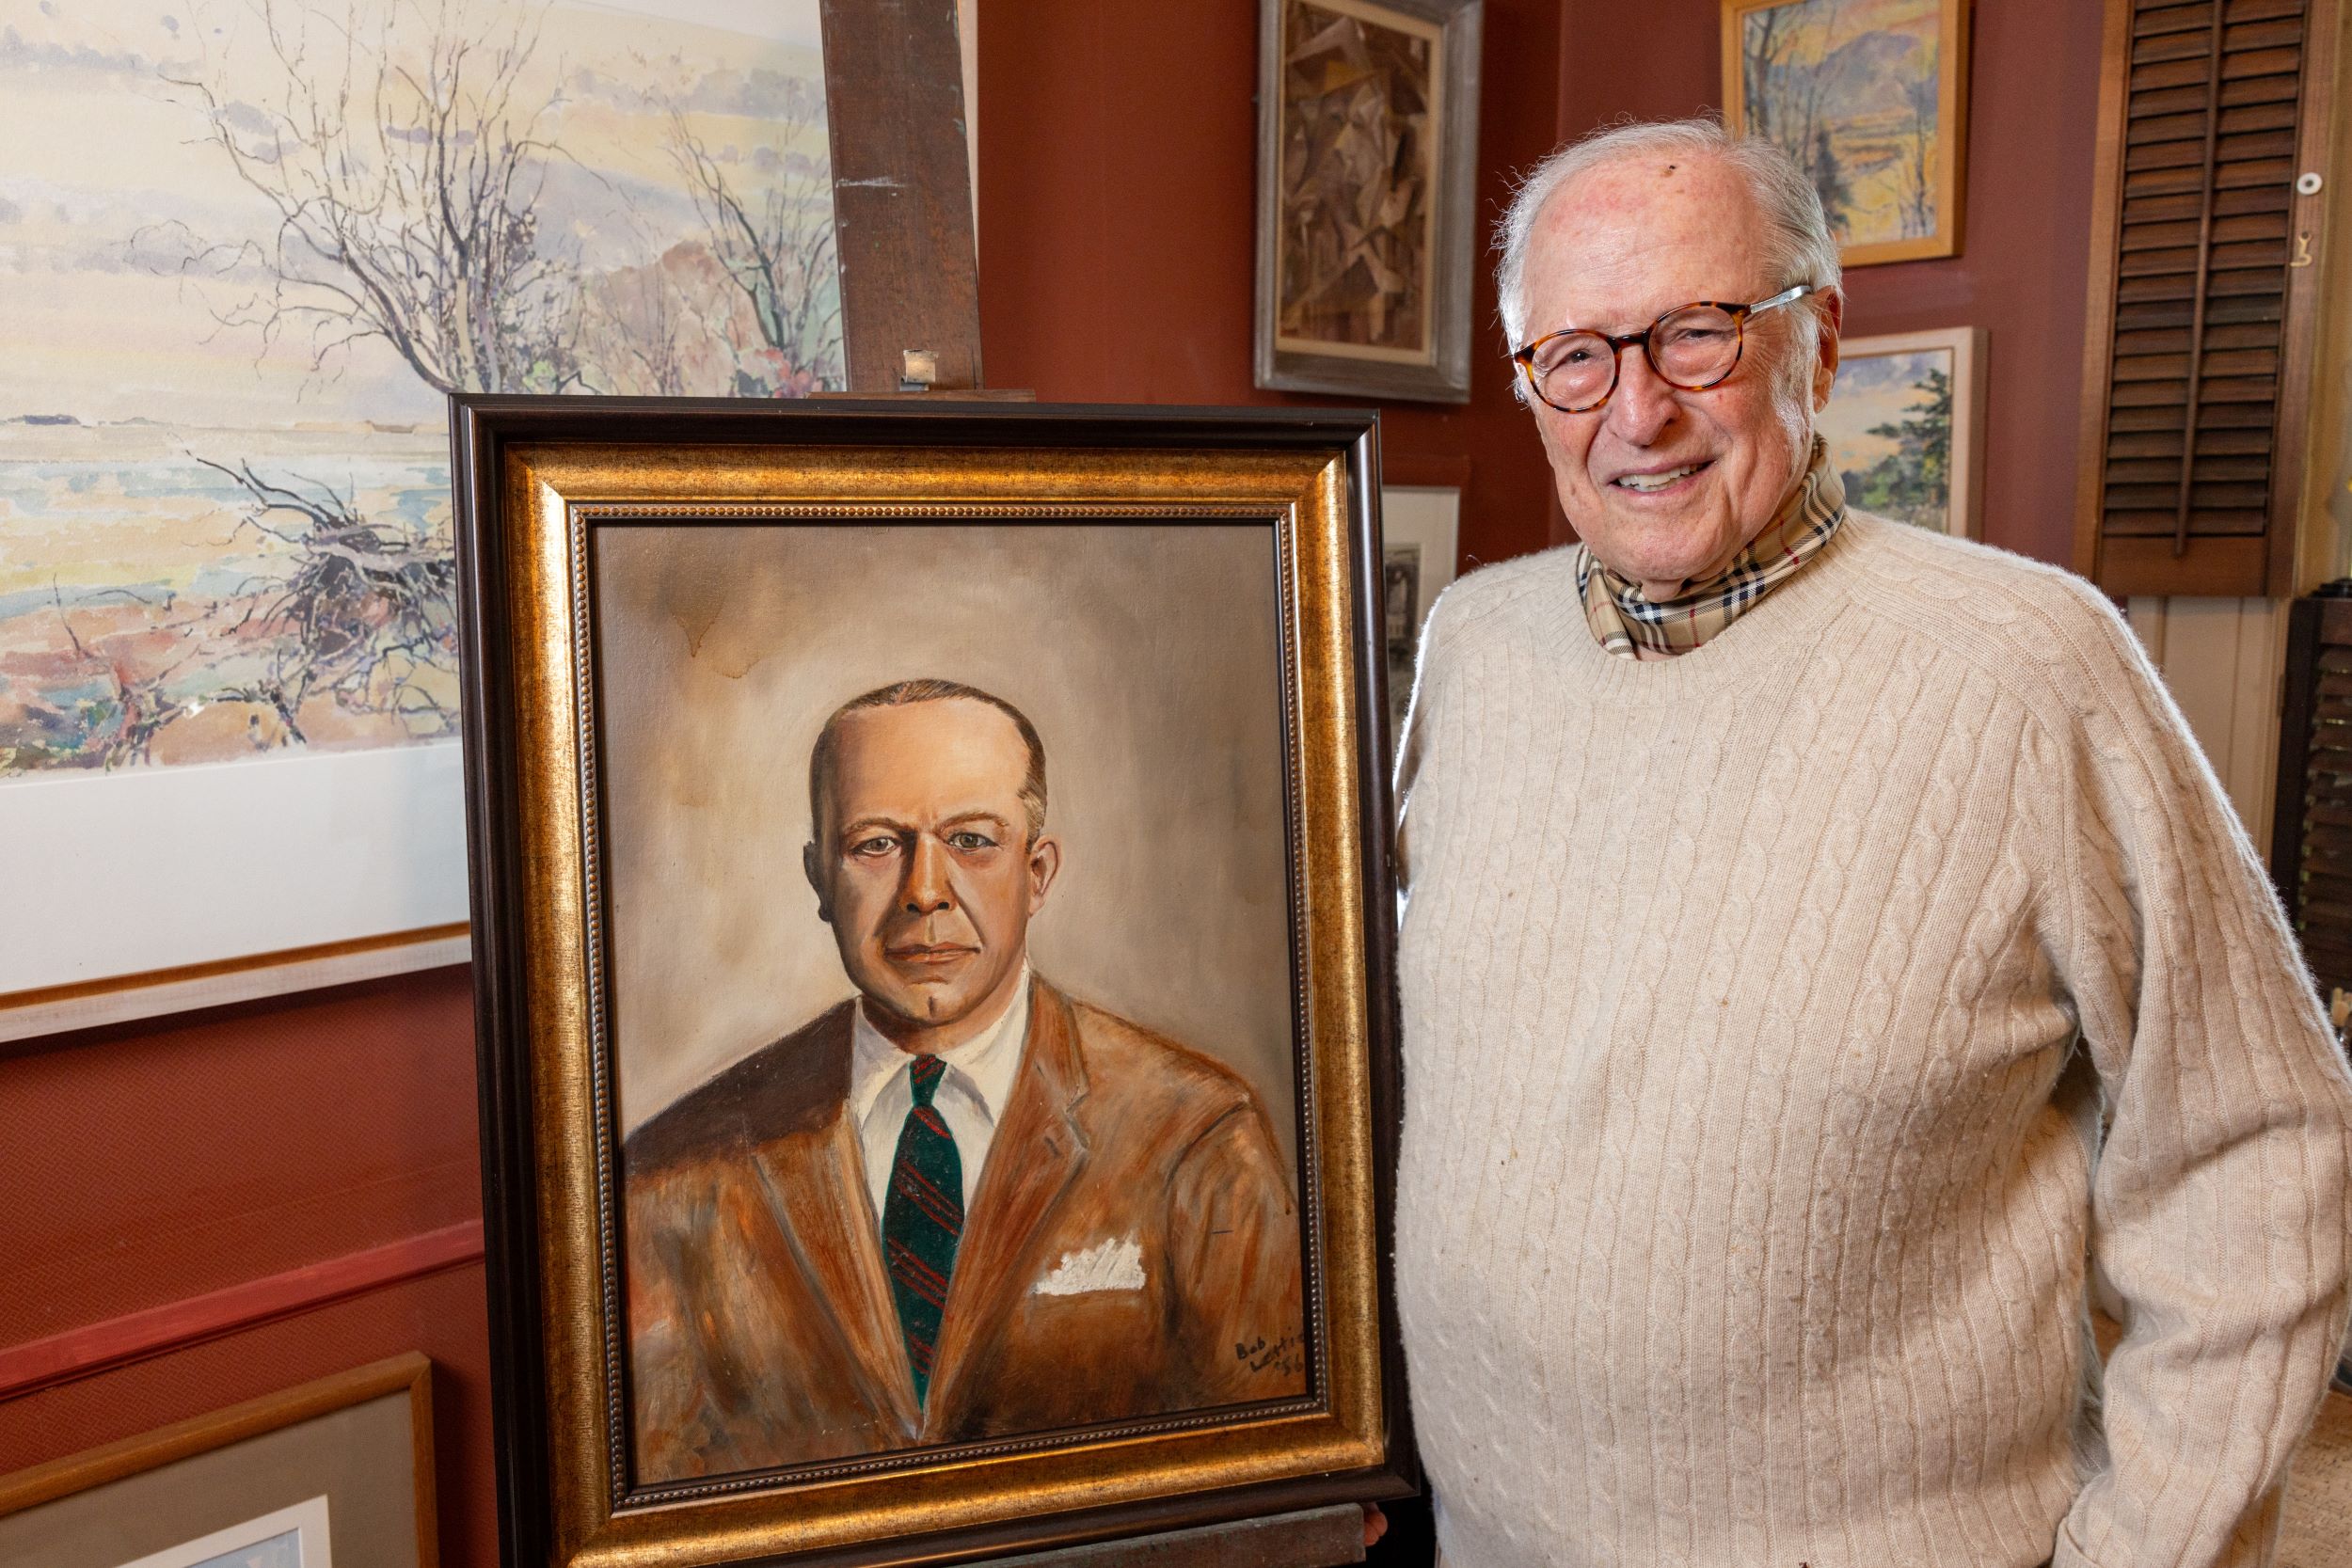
250 245
1868 96
1901 426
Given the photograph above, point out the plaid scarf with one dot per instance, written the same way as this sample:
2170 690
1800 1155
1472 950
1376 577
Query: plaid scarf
1623 619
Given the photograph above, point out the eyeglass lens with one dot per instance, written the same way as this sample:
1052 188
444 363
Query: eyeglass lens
1693 348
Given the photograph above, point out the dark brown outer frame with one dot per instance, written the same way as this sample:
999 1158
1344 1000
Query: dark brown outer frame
2238 538
482 429
63 1478
901 190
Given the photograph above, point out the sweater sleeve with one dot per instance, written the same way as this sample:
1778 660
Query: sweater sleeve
2219 1199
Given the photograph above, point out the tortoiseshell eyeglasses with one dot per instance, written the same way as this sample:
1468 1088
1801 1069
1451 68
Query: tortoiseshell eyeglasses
1693 346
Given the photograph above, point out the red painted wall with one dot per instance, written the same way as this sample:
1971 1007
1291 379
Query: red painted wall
2026 243
147 1164
157 1162
1118 179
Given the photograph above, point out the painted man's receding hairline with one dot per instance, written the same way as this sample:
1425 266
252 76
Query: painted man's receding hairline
913 694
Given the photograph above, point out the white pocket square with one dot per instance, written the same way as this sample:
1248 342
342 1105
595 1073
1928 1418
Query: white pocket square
1105 1266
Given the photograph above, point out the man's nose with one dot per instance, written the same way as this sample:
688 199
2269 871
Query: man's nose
1643 404
925 889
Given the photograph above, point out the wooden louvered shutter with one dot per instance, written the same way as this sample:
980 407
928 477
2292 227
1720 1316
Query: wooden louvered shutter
2204 287
2310 829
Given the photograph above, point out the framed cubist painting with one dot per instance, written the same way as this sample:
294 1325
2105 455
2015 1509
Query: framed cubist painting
1870 97
1367 161
1905 426
934 996
248 248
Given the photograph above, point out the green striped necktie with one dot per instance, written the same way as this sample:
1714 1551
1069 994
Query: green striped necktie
923 1220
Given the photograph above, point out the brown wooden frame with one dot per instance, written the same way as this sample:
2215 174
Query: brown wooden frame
2229 566
533 476
411 1373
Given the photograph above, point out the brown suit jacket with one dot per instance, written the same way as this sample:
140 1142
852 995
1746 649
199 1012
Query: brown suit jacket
761 1327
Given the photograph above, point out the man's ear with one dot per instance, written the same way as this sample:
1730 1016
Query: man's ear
1833 321
815 881
1044 865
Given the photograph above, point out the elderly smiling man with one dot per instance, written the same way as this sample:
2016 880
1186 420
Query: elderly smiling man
1823 939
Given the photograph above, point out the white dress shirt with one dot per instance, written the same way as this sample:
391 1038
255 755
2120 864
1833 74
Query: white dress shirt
970 1098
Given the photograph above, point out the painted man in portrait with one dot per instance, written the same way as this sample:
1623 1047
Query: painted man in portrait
963 1204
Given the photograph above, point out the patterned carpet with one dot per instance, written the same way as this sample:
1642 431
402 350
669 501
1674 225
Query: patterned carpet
2317 1532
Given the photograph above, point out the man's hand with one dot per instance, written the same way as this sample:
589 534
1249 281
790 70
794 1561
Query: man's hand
1375 1522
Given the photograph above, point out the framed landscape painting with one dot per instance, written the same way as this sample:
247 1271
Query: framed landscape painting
1870 97
1904 426
937 1058
1367 159
249 248
337 1473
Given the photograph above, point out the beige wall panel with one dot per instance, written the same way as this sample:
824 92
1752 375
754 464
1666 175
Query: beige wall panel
2223 660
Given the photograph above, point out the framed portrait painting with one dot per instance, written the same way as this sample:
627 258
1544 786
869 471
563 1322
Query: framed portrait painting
1904 425
337 1473
1870 98
1367 161
274 237
937 1069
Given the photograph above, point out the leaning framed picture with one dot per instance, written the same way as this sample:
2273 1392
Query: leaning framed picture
937 1064
337 1473
1367 165
1905 424
1870 97
1421 528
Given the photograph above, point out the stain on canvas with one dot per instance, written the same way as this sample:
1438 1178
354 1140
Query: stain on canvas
249 247
1851 88
1889 427
1360 110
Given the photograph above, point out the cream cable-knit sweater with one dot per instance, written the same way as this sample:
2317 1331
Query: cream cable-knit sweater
1749 1169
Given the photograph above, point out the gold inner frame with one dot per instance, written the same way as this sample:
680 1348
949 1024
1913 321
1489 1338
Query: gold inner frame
549 493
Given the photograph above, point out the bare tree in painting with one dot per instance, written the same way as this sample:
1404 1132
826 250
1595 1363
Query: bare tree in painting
404 185
403 178
1914 167
637 318
1791 70
1765 38
365 611
778 248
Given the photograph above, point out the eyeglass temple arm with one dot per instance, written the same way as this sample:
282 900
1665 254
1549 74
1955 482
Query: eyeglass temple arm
1786 296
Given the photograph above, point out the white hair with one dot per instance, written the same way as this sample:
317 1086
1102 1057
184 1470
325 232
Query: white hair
1797 240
